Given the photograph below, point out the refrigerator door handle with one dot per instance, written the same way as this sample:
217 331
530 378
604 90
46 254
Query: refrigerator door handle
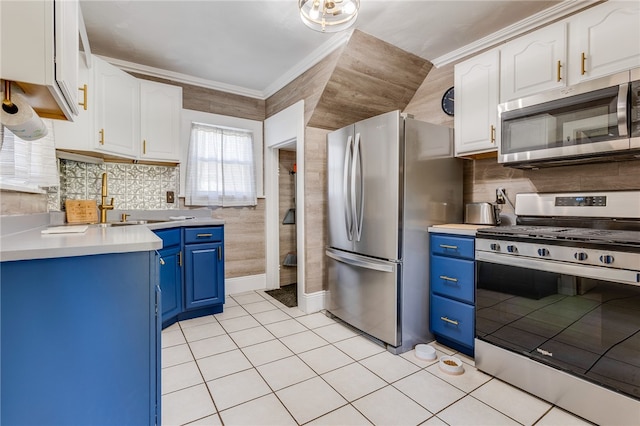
348 206
357 162
360 261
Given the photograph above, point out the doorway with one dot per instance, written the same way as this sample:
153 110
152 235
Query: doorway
284 132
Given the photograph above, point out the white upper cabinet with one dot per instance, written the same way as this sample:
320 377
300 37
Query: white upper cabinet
476 103
534 63
39 52
78 135
603 40
117 112
160 106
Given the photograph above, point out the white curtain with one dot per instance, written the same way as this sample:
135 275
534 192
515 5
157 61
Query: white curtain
28 164
220 167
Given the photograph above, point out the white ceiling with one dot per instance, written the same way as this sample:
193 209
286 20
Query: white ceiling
255 48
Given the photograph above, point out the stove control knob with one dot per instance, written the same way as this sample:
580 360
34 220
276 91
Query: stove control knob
543 252
512 249
606 259
580 255
495 246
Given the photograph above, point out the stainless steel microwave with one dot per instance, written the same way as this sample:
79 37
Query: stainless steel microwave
597 120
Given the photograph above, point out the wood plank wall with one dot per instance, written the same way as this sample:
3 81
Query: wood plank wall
308 86
315 204
370 78
287 234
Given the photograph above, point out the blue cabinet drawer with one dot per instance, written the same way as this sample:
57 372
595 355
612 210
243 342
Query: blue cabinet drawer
203 235
453 320
170 237
448 245
453 277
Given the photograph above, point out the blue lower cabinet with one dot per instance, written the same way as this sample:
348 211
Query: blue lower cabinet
204 275
80 340
453 320
171 281
452 287
191 272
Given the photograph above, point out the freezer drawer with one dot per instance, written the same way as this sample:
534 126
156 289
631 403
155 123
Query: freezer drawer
363 292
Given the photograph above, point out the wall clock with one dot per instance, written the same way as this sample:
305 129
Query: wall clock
447 102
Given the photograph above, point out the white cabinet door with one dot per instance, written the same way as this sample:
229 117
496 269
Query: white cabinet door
534 63
117 119
160 106
476 105
604 40
67 39
78 135
38 51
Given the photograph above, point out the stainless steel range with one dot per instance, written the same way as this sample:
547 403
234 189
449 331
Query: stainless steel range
558 302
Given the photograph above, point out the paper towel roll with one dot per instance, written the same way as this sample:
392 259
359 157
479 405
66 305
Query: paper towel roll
24 123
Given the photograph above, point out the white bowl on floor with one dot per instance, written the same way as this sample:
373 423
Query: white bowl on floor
425 352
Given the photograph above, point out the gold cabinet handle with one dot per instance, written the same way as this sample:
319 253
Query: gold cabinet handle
583 68
220 254
203 235
493 134
101 136
83 104
559 72
446 246
444 277
144 146
450 321
161 261
180 258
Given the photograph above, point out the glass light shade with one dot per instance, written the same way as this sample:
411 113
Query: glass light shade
329 16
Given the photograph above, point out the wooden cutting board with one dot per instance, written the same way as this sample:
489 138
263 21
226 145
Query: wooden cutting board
81 211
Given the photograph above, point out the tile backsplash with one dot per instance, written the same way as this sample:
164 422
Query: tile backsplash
132 186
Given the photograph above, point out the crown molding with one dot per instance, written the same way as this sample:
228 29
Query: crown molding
309 61
530 23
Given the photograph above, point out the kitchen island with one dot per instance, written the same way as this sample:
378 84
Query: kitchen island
80 328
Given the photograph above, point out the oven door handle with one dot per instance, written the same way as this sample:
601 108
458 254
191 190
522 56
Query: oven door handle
588 271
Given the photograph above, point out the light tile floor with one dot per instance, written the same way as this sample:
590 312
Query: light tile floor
261 363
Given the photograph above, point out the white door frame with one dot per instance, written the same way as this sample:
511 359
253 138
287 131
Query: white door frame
280 130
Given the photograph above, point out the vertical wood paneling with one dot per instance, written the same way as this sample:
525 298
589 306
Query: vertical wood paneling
315 181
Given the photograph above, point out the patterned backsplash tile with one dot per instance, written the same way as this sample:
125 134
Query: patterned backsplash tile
132 186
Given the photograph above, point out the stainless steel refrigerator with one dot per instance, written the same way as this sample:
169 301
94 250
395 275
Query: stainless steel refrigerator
389 178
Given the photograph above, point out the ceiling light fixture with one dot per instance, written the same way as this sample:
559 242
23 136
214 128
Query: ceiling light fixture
329 16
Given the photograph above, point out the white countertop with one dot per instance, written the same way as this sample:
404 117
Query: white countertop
32 244
458 228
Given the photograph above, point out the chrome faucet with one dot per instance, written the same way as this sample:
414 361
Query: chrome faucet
103 207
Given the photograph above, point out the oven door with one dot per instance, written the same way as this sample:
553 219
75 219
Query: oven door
588 327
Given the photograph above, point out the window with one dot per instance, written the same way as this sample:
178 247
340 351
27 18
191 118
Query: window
28 166
220 167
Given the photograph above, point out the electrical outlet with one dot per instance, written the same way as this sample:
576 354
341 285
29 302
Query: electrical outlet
500 194
171 197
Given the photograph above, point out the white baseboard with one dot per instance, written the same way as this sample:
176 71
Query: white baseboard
312 302
247 283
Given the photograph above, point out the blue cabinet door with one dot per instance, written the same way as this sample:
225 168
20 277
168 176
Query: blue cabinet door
171 282
204 275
